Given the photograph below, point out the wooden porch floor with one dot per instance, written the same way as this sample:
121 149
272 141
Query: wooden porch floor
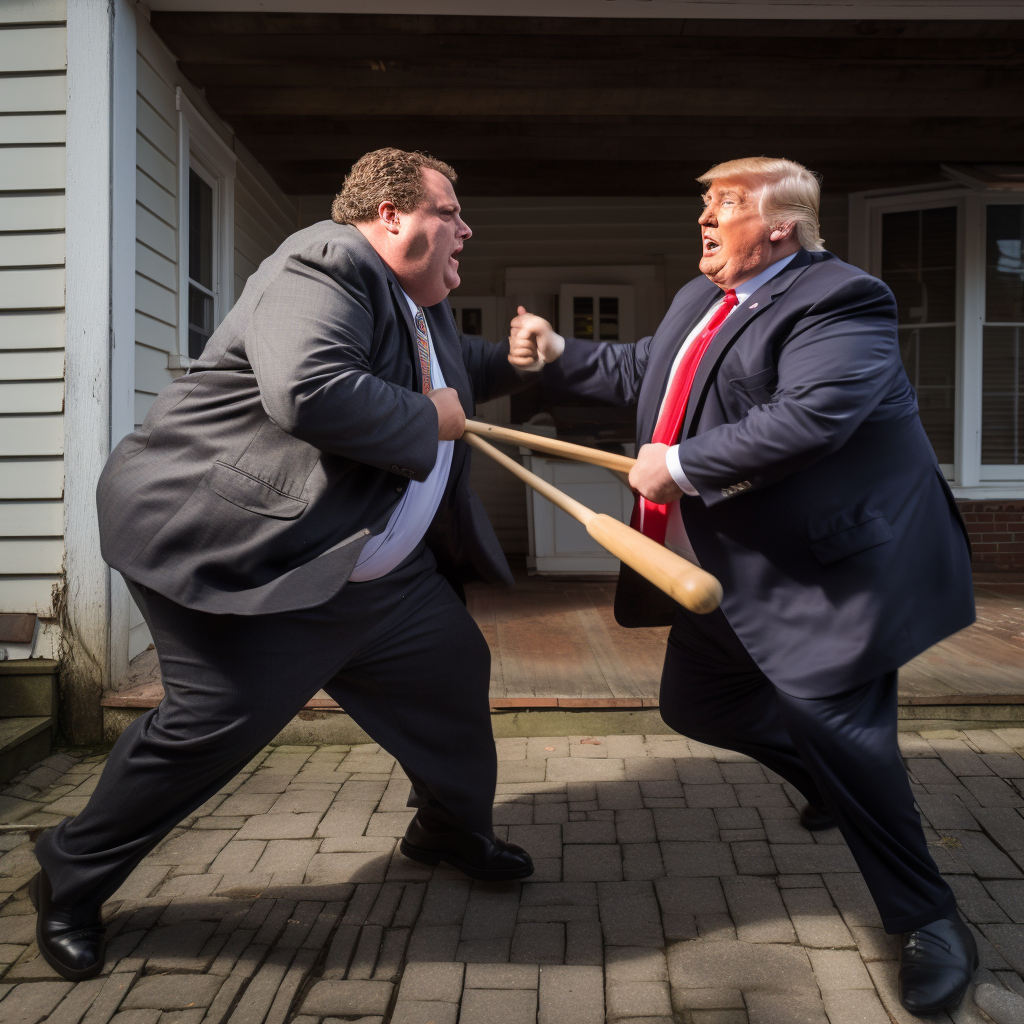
558 639
554 643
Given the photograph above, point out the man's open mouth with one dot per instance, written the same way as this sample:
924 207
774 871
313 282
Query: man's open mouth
710 246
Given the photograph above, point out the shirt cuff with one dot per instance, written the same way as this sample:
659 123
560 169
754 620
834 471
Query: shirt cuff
559 348
675 470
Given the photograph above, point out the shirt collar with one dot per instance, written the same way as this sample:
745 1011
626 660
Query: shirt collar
405 295
745 290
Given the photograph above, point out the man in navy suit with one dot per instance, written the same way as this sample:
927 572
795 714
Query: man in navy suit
780 448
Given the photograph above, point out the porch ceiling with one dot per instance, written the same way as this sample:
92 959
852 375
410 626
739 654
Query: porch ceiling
550 106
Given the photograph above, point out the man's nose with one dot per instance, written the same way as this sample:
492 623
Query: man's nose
706 218
465 232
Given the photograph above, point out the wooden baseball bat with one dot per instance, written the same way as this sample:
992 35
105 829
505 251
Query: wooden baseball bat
548 445
684 582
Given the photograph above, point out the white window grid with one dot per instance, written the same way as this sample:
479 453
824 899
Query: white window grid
968 477
201 149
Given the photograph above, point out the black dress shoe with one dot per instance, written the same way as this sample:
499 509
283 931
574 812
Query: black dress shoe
71 940
476 855
816 819
937 963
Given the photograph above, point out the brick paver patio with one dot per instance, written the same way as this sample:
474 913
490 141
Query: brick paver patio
673 884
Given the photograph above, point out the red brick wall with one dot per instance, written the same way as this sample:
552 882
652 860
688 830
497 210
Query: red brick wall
996 529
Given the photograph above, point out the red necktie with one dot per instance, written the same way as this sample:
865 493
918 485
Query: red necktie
651 519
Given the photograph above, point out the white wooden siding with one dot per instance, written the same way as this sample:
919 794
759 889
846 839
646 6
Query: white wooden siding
31 478
31 519
263 215
31 213
32 101
263 218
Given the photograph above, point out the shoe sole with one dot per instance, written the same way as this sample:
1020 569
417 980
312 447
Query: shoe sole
432 858
65 972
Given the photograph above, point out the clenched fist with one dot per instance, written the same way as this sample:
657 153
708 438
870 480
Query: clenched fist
451 419
532 341
650 476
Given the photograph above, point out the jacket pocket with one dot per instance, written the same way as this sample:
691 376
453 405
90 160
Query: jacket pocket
756 381
254 495
851 540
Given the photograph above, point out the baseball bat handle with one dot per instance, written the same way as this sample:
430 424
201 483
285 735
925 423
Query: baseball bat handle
684 582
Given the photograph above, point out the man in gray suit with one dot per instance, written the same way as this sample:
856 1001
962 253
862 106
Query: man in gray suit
295 514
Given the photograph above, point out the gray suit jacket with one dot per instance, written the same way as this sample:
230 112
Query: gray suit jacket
256 479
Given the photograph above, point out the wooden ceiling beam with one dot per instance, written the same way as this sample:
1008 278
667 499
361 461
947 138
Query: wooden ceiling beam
177 25
698 72
587 178
633 127
596 145
330 50
781 100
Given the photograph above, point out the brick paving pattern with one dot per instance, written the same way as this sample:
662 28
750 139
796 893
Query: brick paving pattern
673 884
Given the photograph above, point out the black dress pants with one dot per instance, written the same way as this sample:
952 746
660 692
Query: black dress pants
400 654
840 752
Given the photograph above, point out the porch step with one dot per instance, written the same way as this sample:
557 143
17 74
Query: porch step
28 713
23 741
28 688
323 721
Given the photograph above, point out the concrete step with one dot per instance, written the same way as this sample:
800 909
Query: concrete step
28 688
23 741
28 713
331 725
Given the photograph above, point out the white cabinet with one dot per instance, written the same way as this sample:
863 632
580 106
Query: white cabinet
558 543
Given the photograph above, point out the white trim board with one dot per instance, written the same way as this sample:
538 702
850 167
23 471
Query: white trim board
915 10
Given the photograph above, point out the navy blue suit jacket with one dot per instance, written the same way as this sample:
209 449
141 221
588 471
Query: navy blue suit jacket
821 507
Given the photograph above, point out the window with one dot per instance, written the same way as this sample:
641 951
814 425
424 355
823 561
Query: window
919 265
953 255
201 296
597 312
1002 374
472 321
206 175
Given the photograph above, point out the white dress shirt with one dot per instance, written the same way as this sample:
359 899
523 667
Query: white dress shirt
675 533
414 513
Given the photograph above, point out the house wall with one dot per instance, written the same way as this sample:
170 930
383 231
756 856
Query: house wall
33 55
263 218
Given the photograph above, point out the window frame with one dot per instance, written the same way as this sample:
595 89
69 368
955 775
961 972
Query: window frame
202 150
625 293
968 478
866 212
994 473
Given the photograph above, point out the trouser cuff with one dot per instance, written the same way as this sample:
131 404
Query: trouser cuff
908 923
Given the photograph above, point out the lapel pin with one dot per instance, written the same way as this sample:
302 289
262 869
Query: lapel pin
753 305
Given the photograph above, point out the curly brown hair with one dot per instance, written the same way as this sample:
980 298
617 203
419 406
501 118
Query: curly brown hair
384 175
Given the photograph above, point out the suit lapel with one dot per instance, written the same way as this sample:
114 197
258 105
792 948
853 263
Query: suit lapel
445 340
676 328
402 307
755 305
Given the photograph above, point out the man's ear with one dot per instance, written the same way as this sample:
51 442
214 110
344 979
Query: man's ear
782 231
389 216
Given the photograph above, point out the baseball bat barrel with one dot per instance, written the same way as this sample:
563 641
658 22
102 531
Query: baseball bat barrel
550 446
684 582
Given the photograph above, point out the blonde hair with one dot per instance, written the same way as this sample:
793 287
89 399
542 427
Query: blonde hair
789 192
381 176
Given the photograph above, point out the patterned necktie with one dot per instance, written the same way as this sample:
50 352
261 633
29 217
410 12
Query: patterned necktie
651 519
423 345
